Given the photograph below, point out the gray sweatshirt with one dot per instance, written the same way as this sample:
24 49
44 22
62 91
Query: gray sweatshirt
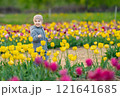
34 32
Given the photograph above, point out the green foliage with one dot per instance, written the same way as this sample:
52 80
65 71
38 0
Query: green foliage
26 72
45 4
111 52
27 18
30 72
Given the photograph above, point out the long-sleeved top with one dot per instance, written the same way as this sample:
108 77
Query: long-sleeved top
34 32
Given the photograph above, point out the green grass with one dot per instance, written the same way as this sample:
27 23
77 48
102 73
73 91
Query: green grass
61 17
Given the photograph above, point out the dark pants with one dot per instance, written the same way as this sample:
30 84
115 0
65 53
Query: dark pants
46 57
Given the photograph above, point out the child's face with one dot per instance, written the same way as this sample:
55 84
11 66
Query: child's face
37 22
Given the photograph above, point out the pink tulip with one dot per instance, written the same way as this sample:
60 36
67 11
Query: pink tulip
53 66
65 78
38 60
114 61
21 34
77 37
101 75
6 36
79 70
46 64
63 72
107 75
89 62
118 67
15 78
73 25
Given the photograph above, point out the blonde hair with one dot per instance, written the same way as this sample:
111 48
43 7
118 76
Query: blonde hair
38 17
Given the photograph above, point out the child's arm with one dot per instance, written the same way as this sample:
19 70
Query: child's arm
39 36
34 36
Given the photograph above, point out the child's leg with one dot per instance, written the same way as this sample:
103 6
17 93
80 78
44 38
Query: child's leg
46 57
34 61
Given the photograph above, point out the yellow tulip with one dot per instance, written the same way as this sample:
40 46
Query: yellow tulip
67 37
38 49
48 53
11 58
64 41
43 57
22 50
42 53
62 44
25 47
111 42
55 54
30 51
93 47
19 43
2 40
86 46
108 39
74 48
30 45
95 43
67 45
4 49
54 59
16 40
70 55
34 54
10 38
3 56
30 39
118 44
104 58
73 58
10 62
15 52
52 44
100 45
43 42
62 49
28 59
96 51
106 46
21 56
11 47
18 48
118 54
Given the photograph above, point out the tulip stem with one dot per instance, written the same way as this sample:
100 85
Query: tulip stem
67 52
49 60
77 57
101 52
61 55
53 50
64 55
88 53
96 60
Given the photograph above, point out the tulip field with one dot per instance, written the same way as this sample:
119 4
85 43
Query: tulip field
78 51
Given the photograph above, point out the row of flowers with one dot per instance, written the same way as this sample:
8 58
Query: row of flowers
19 60
52 71
76 33
26 52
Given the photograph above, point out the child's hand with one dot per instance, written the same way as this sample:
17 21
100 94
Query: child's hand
39 36
49 40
